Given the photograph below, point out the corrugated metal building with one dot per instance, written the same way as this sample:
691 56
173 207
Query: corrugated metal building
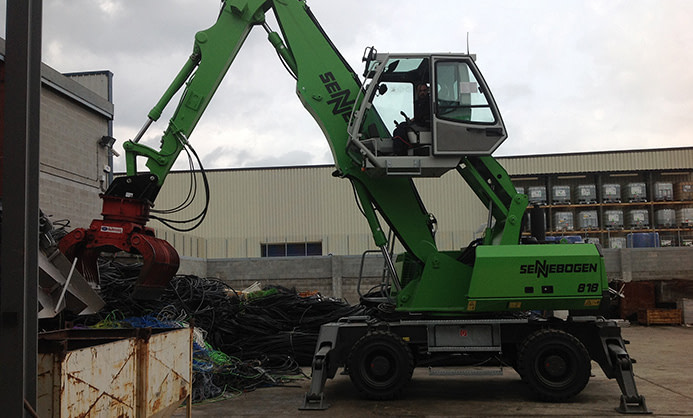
252 212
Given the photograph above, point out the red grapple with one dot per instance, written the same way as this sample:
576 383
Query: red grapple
123 229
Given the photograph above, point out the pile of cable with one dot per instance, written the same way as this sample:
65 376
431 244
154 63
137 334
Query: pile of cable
250 339
280 321
217 374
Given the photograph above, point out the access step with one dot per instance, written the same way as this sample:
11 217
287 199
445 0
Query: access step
465 371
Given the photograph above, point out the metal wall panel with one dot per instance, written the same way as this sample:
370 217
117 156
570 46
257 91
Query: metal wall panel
249 207
306 204
663 159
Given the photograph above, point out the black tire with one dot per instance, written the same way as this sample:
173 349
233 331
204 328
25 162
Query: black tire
380 365
555 364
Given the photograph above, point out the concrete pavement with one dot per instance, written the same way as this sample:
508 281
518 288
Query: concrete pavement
664 375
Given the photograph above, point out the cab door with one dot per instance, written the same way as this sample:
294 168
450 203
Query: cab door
465 119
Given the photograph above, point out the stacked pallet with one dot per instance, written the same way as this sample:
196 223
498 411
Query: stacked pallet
659 317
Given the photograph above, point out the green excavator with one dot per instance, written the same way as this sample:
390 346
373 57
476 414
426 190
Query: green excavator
408 116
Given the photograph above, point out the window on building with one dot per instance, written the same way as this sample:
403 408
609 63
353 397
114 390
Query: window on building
291 249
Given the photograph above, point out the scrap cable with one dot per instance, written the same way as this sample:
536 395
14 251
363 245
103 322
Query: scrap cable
243 340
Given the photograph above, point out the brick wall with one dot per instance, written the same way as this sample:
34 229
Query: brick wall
72 161
73 120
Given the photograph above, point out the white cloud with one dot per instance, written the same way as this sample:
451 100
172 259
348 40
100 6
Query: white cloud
110 7
568 76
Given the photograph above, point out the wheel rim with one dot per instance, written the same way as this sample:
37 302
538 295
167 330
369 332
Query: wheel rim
555 367
380 365
379 368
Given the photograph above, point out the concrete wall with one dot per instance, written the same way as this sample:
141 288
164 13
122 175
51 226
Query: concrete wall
642 264
337 276
193 266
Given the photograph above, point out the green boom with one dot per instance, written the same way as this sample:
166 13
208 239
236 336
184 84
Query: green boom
502 275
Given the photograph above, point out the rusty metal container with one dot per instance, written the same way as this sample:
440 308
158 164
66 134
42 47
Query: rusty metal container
165 373
683 190
114 372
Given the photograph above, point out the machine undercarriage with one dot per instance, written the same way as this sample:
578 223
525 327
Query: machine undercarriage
552 356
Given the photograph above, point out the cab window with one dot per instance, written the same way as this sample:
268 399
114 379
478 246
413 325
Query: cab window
459 96
396 98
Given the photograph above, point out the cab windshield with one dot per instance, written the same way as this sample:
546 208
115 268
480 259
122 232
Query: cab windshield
396 92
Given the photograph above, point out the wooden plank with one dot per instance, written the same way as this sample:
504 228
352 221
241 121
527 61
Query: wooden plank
659 316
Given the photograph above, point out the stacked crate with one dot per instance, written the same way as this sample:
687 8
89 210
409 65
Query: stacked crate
638 219
635 206
684 190
684 217
636 192
564 221
537 195
665 218
560 195
613 219
611 193
617 242
586 194
663 191
588 219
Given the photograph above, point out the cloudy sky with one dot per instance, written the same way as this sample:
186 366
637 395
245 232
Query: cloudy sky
568 75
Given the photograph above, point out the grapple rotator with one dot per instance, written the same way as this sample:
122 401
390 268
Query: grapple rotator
126 206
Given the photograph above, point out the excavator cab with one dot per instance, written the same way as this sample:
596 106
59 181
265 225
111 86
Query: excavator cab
423 114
